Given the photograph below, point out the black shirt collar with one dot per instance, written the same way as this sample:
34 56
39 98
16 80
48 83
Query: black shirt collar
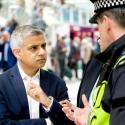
115 48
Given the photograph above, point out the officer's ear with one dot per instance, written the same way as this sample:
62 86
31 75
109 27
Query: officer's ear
16 52
107 23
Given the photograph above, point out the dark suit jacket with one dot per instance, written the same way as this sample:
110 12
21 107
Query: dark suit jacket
14 108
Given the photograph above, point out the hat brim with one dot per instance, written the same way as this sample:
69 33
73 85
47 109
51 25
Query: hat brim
93 19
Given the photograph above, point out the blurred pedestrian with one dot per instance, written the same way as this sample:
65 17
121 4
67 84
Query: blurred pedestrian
61 51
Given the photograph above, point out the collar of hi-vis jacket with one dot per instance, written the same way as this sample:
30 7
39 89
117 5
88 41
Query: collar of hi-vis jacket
115 49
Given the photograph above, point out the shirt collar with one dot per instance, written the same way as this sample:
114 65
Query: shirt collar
25 76
116 48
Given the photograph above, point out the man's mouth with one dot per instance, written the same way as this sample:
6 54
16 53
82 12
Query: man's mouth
42 60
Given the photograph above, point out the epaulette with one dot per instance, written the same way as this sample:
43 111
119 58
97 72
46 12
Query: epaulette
120 62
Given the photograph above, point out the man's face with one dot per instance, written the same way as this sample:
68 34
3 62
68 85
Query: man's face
104 30
32 53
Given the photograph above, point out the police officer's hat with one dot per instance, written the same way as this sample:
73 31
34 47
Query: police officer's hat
102 5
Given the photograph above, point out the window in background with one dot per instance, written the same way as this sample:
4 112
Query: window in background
75 16
66 15
83 18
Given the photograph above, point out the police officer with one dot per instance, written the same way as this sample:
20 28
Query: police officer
105 87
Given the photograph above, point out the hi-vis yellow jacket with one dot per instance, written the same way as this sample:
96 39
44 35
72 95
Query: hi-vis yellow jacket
99 116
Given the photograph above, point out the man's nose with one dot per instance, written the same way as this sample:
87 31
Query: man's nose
42 51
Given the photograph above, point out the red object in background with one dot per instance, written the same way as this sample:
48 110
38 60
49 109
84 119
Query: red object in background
81 32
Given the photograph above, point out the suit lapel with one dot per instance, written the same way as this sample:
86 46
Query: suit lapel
44 81
19 88
44 84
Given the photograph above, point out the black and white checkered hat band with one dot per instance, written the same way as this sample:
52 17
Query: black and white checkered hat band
107 4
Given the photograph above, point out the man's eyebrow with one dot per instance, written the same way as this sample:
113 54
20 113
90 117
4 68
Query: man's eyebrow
43 44
33 45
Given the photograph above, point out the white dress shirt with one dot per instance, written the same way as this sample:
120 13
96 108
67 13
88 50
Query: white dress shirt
33 105
91 95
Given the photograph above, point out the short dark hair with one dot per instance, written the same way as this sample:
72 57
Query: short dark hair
118 14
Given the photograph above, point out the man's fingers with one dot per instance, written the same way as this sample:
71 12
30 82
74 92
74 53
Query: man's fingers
29 87
85 101
71 117
65 103
65 110
69 113
33 92
33 88
32 85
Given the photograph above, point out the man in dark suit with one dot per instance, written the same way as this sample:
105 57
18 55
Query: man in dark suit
28 44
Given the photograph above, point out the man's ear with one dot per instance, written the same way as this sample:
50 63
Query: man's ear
107 23
16 53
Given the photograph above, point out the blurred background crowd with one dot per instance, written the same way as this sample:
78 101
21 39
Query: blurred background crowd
71 40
